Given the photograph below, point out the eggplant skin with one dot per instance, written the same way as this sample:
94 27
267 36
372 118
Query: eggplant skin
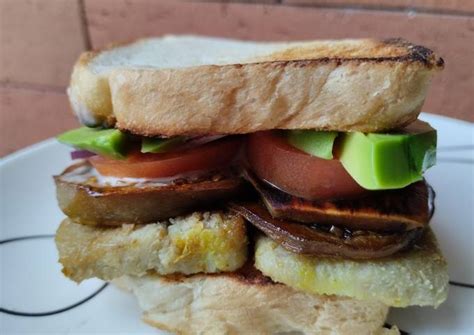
415 277
323 240
208 242
90 204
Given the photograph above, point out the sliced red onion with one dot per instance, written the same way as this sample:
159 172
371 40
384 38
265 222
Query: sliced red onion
199 140
80 154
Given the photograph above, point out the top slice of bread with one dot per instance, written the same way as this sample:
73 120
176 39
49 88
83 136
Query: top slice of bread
189 85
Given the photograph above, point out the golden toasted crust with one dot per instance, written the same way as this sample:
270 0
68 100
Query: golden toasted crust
371 50
246 302
200 242
359 85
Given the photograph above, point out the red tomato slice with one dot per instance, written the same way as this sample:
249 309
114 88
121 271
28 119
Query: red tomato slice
139 165
296 172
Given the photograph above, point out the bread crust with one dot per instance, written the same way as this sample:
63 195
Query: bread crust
248 303
368 86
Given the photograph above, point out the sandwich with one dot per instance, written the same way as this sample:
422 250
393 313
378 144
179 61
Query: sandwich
240 187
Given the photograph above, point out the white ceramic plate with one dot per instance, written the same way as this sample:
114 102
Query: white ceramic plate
32 284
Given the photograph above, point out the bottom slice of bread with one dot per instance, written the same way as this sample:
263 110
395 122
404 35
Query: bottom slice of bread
246 302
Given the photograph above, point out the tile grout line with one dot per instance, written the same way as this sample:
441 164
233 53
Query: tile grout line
84 25
395 9
43 88
355 7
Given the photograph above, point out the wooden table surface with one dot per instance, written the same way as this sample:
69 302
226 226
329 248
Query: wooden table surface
41 40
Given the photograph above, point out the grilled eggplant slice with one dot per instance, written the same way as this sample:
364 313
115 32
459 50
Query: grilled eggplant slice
384 211
321 240
85 200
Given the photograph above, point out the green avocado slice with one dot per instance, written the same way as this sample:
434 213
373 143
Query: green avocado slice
160 145
389 161
315 143
106 142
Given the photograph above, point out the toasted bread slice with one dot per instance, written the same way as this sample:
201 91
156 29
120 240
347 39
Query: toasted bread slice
188 85
415 277
199 242
246 302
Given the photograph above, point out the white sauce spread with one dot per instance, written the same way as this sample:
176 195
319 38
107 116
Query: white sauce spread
86 173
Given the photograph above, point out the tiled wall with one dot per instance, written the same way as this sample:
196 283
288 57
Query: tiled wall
41 39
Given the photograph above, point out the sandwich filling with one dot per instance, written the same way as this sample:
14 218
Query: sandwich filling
207 242
89 198
321 199
415 277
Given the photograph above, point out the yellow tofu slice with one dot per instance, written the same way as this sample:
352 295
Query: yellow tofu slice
200 242
416 277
